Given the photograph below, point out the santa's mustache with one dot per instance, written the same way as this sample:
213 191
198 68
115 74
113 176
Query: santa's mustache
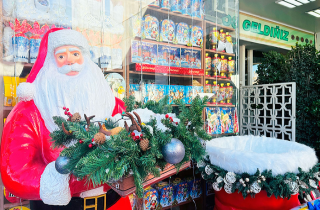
67 68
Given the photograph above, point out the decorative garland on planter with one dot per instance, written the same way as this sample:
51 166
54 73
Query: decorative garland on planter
106 156
281 185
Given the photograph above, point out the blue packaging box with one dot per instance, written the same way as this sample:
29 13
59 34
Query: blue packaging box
176 92
186 7
195 59
196 36
185 57
174 56
195 8
165 194
194 188
136 52
181 192
150 28
182 33
213 120
167 30
149 53
191 92
163 55
155 92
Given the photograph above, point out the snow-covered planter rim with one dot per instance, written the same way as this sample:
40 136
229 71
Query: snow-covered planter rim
242 154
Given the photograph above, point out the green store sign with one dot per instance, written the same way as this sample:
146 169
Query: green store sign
259 30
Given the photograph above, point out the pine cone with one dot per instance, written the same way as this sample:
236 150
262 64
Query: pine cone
99 138
144 144
76 117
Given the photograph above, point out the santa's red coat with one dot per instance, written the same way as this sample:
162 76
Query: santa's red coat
26 151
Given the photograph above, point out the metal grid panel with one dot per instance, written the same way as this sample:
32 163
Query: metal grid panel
269 110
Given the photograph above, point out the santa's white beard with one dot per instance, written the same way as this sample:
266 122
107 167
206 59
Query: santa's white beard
87 93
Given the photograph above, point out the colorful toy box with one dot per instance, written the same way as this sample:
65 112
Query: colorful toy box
176 6
202 10
192 92
163 55
167 31
155 92
195 59
150 198
180 190
165 194
186 7
196 36
195 8
136 52
165 4
194 186
213 118
227 117
155 3
136 25
174 57
176 92
185 57
150 28
182 33
149 53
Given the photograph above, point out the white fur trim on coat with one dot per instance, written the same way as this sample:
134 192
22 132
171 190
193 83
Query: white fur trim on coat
93 192
26 91
54 187
241 154
67 37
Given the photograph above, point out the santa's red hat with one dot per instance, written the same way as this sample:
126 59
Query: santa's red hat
54 38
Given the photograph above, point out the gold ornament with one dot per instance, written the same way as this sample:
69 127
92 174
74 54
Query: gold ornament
99 138
144 144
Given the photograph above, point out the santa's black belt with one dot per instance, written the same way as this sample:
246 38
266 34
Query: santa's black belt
102 202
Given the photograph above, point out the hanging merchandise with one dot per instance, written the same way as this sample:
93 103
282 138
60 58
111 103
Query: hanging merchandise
182 33
155 3
229 93
20 41
231 66
224 67
150 199
216 66
196 36
35 39
151 28
215 91
222 41
208 62
213 120
195 8
186 7
176 6
215 36
165 4
222 94
167 30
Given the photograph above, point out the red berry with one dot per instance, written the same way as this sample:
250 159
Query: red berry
171 119
141 135
167 116
67 109
137 137
64 108
66 113
176 123
133 134
69 113
80 141
92 140
90 145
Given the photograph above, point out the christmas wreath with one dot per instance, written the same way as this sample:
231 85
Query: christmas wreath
101 152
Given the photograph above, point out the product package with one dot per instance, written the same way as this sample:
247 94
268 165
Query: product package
150 198
136 52
155 92
10 87
133 201
195 59
149 53
180 190
106 57
192 92
176 6
213 120
163 55
155 3
136 25
186 7
151 28
176 92
195 8
196 36
185 57
182 33
194 188
174 57
165 4
165 194
138 91
227 117
167 32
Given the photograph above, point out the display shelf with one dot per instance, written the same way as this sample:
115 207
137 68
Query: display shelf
219 26
167 44
180 204
217 79
8 108
223 134
112 71
220 53
173 14
165 75
220 105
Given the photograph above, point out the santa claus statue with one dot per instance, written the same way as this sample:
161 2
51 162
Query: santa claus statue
63 76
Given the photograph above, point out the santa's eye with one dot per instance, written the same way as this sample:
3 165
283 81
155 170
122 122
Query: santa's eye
61 57
76 54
